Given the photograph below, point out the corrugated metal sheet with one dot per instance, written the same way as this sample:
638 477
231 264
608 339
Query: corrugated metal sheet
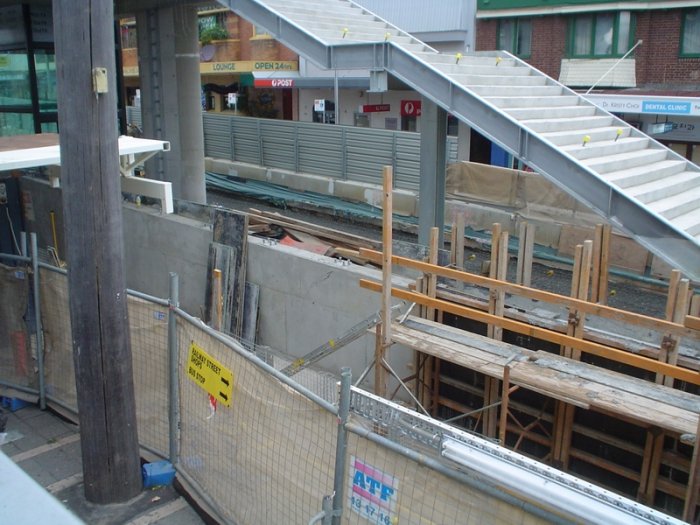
217 136
342 152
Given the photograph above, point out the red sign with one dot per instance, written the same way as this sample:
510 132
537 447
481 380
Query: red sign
274 82
375 108
410 108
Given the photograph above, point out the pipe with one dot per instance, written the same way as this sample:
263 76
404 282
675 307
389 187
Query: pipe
173 384
341 448
37 320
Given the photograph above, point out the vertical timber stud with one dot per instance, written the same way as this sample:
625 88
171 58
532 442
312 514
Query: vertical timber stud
431 362
387 225
691 497
87 113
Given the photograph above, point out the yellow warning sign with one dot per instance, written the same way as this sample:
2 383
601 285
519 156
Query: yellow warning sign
211 375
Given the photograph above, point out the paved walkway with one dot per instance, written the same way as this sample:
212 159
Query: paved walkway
47 448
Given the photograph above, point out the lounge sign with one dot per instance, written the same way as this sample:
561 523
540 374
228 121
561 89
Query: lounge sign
246 66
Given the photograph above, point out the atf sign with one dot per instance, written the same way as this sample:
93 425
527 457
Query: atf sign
373 494
410 108
274 82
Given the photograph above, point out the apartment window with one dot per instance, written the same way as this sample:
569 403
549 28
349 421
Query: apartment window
128 36
601 35
515 35
690 34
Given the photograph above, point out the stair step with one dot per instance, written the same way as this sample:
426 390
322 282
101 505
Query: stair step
689 222
666 187
565 138
644 175
477 60
552 112
358 24
509 91
604 148
530 102
495 80
466 68
678 205
626 160
584 124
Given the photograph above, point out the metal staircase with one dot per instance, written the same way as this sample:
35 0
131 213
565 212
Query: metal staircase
633 181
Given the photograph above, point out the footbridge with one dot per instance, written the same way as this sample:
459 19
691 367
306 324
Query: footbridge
635 183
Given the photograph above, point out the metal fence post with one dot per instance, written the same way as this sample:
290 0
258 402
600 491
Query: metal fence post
173 354
37 320
341 448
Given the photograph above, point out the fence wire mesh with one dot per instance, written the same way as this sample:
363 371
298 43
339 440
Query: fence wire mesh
148 323
266 457
17 354
58 346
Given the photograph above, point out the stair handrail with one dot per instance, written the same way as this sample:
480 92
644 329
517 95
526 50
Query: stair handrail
619 61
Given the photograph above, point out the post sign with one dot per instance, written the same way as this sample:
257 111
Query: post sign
410 108
274 82
209 374
375 108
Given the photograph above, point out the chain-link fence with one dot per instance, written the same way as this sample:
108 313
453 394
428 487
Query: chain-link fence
256 446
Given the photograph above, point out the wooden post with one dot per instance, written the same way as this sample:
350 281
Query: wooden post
505 393
601 257
676 310
94 249
433 259
387 226
431 364
217 303
691 498
496 237
526 246
459 242
564 412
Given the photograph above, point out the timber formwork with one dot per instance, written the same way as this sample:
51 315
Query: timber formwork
624 414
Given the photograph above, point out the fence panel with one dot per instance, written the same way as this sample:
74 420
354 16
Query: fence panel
246 140
367 151
217 136
407 161
58 345
279 144
320 149
148 324
17 358
383 487
268 457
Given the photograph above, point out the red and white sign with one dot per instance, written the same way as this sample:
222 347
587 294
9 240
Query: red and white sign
274 82
410 108
375 108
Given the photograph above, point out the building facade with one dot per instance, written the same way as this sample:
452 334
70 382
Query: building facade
639 60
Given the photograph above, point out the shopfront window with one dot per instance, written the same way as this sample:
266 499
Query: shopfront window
515 36
16 124
14 79
45 65
600 35
690 34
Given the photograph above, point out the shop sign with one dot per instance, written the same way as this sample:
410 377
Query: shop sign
646 105
274 82
245 66
375 108
410 108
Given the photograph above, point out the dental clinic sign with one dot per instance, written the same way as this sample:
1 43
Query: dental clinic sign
373 494
647 105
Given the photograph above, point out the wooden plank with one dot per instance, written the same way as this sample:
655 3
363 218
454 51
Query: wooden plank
95 250
540 295
541 333
217 302
231 229
348 239
251 302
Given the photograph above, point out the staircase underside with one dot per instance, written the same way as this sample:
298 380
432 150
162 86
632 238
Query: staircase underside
632 181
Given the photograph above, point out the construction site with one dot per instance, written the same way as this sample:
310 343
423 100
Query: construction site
410 341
